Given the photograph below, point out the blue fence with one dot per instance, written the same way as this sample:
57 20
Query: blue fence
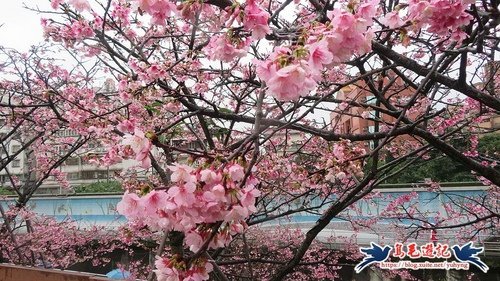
100 209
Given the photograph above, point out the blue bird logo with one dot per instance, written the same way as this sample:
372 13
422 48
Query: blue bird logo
373 255
468 253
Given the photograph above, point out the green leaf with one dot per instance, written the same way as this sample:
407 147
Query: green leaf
225 110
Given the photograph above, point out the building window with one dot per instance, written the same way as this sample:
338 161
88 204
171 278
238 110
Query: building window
72 161
371 144
347 126
177 143
15 148
101 174
194 145
88 175
371 99
94 175
73 176
16 163
67 133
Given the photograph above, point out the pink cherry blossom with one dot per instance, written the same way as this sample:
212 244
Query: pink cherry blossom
164 270
248 196
236 172
392 20
181 173
368 10
219 192
183 195
237 213
319 55
140 145
291 82
222 47
194 240
126 126
209 176
129 206
80 5
153 200
158 9
256 20
265 69
55 3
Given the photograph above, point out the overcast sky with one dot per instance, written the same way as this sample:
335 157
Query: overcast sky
20 28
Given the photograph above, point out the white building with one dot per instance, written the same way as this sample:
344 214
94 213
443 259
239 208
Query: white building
77 167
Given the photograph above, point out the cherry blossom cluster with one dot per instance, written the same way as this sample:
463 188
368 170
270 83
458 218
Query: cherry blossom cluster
444 17
225 47
255 20
198 199
159 9
287 73
52 243
175 268
229 46
138 143
400 201
343 162
464 110
78 31
268 245
290 73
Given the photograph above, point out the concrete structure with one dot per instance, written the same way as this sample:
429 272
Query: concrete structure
100 209
491 124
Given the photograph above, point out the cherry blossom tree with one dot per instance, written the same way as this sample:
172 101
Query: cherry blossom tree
232 105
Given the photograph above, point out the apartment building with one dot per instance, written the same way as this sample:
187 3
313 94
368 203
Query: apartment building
491 124
491 83
78 168
362 119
